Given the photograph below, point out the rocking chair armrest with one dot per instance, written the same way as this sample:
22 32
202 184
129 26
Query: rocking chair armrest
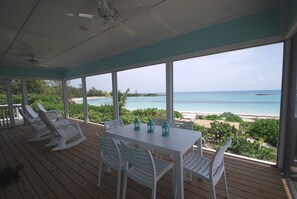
61 126
37 121
55 111
61 122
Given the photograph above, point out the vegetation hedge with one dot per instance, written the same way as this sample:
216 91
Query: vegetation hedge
247 141
242 142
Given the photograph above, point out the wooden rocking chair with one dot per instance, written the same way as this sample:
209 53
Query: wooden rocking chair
61 132
40 131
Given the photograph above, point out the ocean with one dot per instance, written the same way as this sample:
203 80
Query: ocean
260 102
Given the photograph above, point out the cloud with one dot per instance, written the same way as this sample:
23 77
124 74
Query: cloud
260 78
250 82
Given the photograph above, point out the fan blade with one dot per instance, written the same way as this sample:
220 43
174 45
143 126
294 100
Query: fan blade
44 65
103 4
83 15
136 12
127 29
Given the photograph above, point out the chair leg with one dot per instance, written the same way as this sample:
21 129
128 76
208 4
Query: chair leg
213 190
118 183
99 174
54 141
124 185
154 190
174 184
108 169
226 186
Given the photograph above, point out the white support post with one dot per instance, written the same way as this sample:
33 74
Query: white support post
284 106
85 99
115 95
65 98
169 92
10 103
24 92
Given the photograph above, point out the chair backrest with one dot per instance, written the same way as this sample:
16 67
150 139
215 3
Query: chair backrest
41 107
25 116
141 159
218 158
30 111
158 121
47 121
112 124
183 124
109 148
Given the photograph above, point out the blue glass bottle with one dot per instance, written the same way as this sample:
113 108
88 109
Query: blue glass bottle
150 126
165 129
136 124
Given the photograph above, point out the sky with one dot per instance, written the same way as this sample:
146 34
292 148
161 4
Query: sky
258 68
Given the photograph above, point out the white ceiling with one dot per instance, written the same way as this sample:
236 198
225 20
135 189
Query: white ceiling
42 29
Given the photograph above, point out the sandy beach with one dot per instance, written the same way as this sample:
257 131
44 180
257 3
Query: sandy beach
191 115
245 117
80 98
206 123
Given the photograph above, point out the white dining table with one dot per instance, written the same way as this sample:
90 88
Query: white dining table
177 144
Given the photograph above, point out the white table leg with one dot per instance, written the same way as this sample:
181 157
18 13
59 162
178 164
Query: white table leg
179 176
199 146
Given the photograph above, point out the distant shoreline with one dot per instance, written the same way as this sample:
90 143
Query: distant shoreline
75 99
246 117
191 115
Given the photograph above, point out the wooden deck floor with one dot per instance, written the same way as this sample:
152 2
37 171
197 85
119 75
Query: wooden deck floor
72 173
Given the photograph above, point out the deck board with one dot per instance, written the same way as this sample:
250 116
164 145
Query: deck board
72 173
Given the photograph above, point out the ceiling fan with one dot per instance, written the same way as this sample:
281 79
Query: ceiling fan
34 62
111 15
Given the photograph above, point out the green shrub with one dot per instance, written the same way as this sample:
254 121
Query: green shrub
176 114
212 117
220 130
199 117
145 114
33 98
50 106
203 130
231 117
264 129
242 146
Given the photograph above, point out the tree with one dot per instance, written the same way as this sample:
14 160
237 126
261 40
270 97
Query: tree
37 87
73 91
94 92
122 97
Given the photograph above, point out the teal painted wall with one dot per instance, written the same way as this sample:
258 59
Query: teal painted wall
15 71
292 13
246 28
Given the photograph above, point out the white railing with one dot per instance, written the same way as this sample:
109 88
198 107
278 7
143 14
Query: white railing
5 116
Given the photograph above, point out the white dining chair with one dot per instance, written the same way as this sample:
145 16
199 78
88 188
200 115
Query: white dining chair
207 169
111 157
183 124
189 125
112 124
142 168
158 121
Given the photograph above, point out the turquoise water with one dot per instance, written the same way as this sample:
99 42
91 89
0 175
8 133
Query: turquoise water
240 102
